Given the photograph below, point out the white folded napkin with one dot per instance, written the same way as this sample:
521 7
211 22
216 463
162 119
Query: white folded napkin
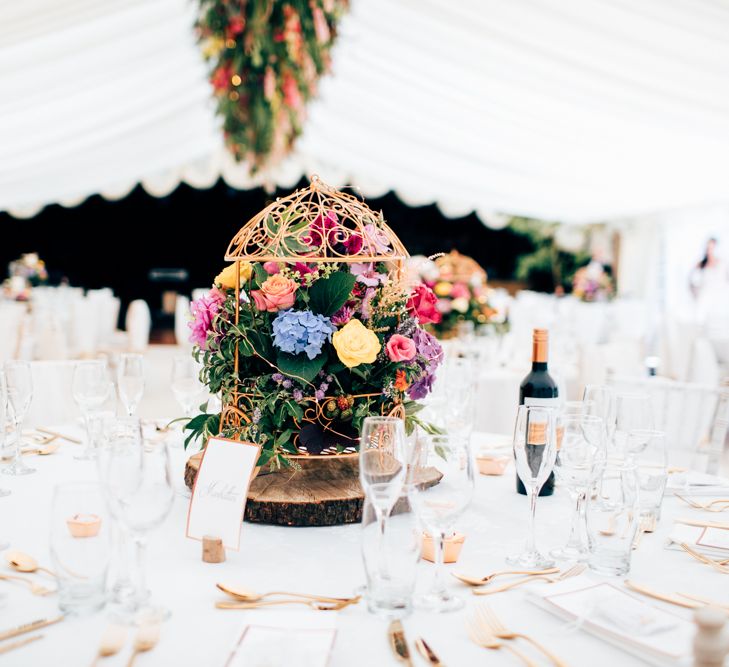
613 614
712 542
694 483
271 638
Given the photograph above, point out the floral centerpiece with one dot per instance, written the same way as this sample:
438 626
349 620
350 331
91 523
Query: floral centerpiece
592 283
312 329
24 273
461 292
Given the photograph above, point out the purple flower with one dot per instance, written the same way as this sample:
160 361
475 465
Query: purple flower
366 274
256 415
366 308
323 386
429 355
298 394
343 315
286 384
203 311
319 395
277 377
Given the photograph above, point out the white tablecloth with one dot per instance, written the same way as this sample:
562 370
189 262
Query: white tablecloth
324 561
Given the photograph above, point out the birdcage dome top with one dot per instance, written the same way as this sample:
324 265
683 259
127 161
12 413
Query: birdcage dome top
460 268
317 224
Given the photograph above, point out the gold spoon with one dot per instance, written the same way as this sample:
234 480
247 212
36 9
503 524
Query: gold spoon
112 641
480 581
24 563
146 639
248 595
43 450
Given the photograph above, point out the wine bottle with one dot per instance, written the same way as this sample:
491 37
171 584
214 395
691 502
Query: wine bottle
539 388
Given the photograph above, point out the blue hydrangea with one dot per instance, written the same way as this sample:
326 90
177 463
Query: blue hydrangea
297 331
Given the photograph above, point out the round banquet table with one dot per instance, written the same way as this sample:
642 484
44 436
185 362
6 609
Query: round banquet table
324 561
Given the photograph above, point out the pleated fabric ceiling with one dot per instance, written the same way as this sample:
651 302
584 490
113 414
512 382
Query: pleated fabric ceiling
572 110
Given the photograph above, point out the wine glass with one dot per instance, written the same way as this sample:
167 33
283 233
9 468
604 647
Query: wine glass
580 460
601 400
186 386
130 380
3 419
535 451
19 388
439 506
138 482
90 388
382 468
633 412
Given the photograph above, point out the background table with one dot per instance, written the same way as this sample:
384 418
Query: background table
324 561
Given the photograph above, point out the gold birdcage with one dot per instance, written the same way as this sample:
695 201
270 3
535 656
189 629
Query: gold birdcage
459 268
345 230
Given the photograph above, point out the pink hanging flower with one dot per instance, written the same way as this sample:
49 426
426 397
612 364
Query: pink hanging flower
271 268
269 84
460 291
375 240
291 92
203 311
321 28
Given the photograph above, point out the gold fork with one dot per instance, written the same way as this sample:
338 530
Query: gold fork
482 636
35 588
579 568
719 566
707 507
491 620
481 581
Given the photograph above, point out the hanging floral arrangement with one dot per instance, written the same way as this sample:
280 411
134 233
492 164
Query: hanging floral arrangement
266 57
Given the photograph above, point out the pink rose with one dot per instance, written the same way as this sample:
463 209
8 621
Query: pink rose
271 268
277 293
400 348
444 306
422 304
460 291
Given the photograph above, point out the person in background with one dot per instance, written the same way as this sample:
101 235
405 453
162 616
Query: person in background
709 284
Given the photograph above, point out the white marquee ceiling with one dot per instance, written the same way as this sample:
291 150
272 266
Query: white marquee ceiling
576 110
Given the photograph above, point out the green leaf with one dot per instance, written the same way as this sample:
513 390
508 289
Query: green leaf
328 295
299 366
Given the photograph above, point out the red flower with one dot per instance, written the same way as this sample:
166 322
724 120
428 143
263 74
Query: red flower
353 244
321 228
291 92
221 77
236 25
422 304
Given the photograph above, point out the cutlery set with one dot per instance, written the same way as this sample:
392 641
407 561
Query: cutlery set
400 648
247 599
686 600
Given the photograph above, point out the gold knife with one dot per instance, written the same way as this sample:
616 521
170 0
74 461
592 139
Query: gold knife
703 524
75 441
399 643
21 642
427 652
29 627
689 604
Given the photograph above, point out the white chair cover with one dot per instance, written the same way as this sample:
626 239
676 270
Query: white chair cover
182 317
138 325
12 318
52 394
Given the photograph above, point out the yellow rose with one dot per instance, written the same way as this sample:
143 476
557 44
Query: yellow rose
226 278
443 288
356 344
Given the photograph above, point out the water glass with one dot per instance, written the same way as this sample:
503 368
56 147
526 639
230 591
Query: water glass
651 459
130 380
80 546
186 386
613 523
439 506
632 412
390 561
140 491
579 463
3 433
535 452
19 392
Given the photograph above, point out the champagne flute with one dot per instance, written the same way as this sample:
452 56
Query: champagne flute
19 387
439 506
382 468
90 388
535 451
186 386
138 481
579 463
633 412
130 381
601 401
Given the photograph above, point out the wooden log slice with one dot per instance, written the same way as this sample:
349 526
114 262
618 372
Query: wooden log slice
324 491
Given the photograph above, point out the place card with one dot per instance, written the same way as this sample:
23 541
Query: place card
637 626
284 638
220 491
716 538
706 540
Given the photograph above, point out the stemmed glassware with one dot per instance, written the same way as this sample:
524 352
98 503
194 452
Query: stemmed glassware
90 387
138 480
439 506
579 463
3 420
186 385
535 451
383 466
19 388
632 412
130 381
